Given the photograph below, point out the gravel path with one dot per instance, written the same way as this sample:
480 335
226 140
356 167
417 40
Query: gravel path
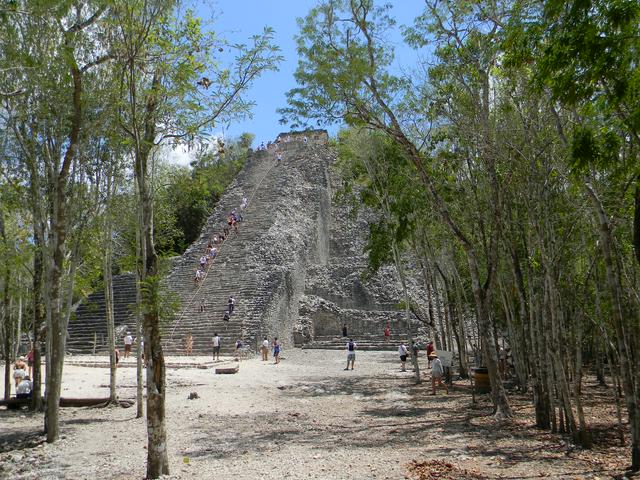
304 418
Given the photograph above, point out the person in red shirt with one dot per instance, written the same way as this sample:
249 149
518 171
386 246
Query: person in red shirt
430 349
30 356
387 334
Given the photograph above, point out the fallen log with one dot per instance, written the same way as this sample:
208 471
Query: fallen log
226 370
15 403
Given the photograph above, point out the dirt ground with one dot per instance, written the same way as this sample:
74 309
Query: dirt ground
304 418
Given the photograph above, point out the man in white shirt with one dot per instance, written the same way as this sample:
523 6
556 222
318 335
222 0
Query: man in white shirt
216 347
403 352
231 304
128 341
265 349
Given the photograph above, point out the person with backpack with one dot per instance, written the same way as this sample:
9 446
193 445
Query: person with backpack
403 352
351 353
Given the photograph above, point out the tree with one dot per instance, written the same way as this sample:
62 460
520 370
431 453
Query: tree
162 59
49 54
345 72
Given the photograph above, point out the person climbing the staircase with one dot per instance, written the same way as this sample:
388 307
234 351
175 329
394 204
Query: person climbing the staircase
231 304
234 222
203 261
213 252
279 158
199 276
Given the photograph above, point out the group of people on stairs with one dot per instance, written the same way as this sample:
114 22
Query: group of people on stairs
213 247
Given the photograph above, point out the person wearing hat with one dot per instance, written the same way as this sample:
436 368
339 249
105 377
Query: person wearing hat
430 350
437 371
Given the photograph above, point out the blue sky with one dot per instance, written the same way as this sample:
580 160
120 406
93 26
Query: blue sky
239 19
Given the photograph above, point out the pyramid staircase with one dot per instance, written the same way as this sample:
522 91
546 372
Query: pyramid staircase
263 266
233 272
87 332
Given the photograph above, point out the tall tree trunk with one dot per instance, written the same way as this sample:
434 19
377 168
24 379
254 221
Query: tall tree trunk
490 355
38 317
584 437
18 334
628 370
108 290
157 460
140 251
6 328
55 324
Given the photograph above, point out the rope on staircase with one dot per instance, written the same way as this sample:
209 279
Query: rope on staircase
226 239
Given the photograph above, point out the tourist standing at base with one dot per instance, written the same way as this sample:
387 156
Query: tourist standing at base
403 352
30 356
430 350
128 341
188 344
216 347
265 349
276 350
351 353
437 371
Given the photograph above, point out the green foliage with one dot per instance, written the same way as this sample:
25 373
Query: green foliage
193 194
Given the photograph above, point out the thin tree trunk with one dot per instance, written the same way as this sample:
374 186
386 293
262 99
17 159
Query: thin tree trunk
157 460
630 381
584 435
38 317
6 327
18 322
140 251
108 290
